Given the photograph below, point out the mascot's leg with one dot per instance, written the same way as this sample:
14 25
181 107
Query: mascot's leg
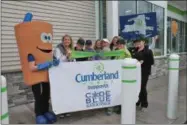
40 118
51 117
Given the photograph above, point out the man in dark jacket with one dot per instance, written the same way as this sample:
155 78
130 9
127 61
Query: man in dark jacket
79 47
144 55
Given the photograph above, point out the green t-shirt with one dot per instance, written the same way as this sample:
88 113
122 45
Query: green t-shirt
126 54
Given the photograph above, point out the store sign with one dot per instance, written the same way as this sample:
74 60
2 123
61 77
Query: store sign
131 26
77 86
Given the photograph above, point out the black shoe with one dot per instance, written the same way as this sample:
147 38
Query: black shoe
138 103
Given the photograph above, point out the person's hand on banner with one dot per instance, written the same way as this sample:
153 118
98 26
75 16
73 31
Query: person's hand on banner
68 53
56 62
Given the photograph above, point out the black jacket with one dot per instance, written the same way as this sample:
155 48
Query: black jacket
146 55
80 59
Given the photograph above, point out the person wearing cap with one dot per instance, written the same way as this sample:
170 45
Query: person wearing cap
121 45
105 47
79 47
145 56
88 48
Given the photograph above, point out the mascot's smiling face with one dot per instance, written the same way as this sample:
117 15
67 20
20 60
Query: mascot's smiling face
37 38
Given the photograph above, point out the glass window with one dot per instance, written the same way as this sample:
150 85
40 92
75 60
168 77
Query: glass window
159 43
181 37
186 38
175 38
144 7
102 19
126 8
168 35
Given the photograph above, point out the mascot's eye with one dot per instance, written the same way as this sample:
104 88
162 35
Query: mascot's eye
44 37
49 37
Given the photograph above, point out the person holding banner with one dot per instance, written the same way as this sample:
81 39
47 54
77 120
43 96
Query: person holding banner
105 47
88 48
63 50
98 49
63 53
79 47
113 45
145 55
120 44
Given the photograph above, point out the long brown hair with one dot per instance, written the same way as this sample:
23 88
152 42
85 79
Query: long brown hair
112 44
71 44
95 45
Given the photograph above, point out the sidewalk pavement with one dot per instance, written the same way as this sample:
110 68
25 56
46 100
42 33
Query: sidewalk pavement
156 113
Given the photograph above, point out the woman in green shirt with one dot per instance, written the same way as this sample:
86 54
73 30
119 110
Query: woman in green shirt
121 45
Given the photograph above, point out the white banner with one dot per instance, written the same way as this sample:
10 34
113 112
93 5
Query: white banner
77 86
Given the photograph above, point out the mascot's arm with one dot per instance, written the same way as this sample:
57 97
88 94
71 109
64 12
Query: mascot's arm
32 66
42 66
37 67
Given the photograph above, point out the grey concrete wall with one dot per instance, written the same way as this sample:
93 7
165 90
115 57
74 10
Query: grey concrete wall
18 93
160 67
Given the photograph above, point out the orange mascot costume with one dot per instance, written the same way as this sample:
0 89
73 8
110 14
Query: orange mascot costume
34 40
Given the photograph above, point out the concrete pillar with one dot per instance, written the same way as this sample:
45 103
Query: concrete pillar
112 19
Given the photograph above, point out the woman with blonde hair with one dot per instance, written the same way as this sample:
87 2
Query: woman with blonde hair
63 50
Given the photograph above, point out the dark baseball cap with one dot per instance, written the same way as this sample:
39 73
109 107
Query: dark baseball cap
81 42
88 42
139 38
121 41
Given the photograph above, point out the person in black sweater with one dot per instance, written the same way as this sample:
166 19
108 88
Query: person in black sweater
144 55
79 47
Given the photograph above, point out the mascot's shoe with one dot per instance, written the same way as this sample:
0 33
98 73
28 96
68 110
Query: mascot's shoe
51 117
41 120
